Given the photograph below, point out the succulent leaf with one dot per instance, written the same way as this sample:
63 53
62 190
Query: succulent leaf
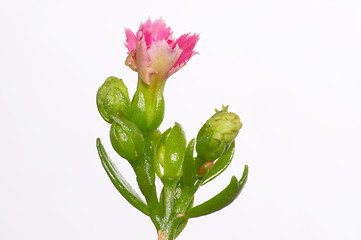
119 182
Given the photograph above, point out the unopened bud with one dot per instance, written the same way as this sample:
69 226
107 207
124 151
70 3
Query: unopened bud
216 134
113 99
169 153
127 139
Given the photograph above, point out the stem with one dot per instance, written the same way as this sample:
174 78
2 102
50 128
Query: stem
169 221
169 191
146 182
168 232
162 235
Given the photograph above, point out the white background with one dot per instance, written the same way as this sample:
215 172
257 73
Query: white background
290 69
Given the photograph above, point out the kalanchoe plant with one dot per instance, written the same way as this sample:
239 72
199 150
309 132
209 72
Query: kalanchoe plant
156 55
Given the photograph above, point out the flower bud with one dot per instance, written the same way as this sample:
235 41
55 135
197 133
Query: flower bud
216 134
127 139
113 99
169 153
148 106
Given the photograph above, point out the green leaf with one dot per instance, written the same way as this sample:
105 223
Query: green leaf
220 165
161 201
188 165
183 223
181 226
119 182
221 200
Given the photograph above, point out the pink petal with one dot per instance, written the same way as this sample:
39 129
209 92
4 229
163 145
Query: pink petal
160 30
142 56
153 50
143 60
163 56
146 29
131 42
156 31
187 43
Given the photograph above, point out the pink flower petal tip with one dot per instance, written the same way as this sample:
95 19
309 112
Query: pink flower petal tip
152 50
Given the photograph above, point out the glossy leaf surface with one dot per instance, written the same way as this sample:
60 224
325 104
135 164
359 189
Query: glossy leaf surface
220 165
184 222
119 182
188 165
222 199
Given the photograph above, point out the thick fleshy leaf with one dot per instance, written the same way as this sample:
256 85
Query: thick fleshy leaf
188 165
220 165
183 223
171 152
221 200
119 182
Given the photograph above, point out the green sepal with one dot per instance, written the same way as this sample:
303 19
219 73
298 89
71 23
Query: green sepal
220 165
119 182
189 171
221 200
224 109
147 106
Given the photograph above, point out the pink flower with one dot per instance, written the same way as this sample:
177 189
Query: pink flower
154 53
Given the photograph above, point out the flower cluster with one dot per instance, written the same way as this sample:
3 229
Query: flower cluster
134 135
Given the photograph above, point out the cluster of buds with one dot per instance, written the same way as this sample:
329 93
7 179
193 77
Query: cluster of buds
135 136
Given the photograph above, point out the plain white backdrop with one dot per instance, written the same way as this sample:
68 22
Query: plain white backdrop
290 69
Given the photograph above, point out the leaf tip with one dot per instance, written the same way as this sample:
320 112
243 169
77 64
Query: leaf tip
244 177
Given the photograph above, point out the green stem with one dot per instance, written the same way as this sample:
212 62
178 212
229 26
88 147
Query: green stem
172 225
169 221
169 192
146 182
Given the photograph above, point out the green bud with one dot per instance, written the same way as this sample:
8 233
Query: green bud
216 134
127 139
147 106
169 153
113 99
